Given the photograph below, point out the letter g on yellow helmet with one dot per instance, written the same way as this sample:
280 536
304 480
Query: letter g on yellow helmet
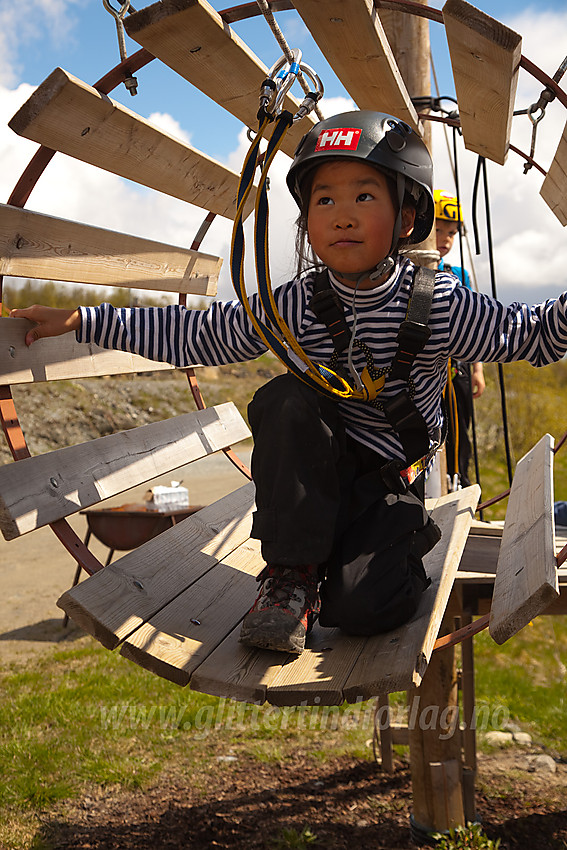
447 206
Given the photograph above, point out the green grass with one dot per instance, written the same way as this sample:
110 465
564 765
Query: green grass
525 680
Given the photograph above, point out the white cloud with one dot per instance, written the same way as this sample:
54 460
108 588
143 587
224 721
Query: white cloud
170 125
22 24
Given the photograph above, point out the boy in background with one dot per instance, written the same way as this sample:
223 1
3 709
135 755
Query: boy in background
448 221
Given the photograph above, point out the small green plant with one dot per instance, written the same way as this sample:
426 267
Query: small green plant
471 837
291 838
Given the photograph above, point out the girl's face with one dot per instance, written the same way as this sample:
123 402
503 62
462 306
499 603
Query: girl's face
350 218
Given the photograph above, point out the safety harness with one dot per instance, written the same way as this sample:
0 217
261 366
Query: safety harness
400 410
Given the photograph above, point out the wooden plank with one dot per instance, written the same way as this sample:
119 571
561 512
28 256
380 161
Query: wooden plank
191 38
397 660
526 576
67 115
39 246
351 37
113 603
39 490
237 671
485 56
318 675
554 187
181 635
61 358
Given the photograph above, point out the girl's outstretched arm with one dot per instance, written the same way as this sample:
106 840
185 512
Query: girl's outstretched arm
50 321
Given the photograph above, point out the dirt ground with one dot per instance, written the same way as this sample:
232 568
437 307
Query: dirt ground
240 803
344 803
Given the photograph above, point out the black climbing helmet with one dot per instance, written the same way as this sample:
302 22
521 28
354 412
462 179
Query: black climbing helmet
380 140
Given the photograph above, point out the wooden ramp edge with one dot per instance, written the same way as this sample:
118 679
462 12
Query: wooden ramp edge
485 56
337 667
67 115
526 580
61 358
352 39
42 247
190 37
114 602
554 187
42 489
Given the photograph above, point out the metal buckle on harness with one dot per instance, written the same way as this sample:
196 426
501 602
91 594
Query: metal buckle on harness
413 335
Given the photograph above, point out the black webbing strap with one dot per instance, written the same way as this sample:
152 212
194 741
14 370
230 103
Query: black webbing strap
326 305
414 331
400 410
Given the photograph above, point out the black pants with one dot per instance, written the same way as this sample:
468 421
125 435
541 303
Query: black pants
464 402
321 500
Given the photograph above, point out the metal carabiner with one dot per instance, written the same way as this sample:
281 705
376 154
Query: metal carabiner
283 75
311 99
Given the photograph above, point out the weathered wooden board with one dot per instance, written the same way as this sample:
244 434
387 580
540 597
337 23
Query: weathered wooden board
526 576
352 39
114 602
485 56
191 38
41 489
70 116
554 187
39 246
181 635
396 661
61 358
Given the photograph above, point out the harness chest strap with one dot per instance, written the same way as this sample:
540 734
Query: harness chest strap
400 410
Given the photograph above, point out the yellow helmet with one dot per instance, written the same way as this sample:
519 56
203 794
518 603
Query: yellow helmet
447 206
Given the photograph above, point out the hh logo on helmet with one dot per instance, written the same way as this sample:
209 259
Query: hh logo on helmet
343 139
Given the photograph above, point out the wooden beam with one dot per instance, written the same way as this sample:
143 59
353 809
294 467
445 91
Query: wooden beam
526 580
67 115
554 187
114 602
41 489
485 56
61 358
352 39
191 38
39 246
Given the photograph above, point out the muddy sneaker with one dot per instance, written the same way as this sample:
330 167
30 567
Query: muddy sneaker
285 610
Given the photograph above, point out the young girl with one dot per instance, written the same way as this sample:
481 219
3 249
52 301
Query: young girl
342 534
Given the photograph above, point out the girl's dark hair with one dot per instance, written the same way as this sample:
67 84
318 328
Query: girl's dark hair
306 259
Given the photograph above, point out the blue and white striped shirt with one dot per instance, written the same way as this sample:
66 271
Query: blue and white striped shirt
466 325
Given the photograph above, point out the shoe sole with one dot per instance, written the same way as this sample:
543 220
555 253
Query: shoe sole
273 632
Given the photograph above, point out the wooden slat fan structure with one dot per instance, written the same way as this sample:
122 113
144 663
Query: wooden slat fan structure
174 605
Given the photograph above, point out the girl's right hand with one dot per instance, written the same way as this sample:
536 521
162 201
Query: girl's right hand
50 321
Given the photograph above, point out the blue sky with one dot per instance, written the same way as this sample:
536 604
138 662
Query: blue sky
80 36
